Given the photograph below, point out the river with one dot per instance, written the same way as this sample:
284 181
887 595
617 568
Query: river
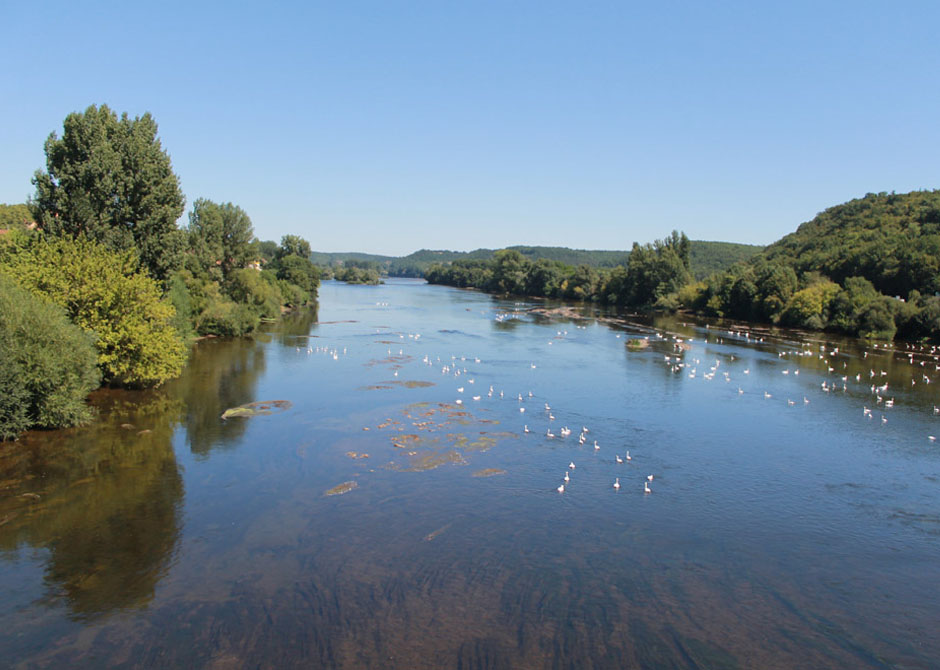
392 511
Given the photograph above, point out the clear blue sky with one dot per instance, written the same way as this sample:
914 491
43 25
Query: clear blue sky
390 126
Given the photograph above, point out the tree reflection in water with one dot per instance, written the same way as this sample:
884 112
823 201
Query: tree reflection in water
104 500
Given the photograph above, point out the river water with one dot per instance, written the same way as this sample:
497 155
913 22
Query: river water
786 527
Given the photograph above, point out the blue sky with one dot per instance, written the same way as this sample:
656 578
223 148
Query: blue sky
392 126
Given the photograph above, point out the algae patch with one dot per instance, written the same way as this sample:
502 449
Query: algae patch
431 536
340 489
489 472
429 461
257 408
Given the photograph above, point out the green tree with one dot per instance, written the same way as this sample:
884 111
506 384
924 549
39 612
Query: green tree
294 245
258 290
299 271
848 304
809 307
103 293
109 179
48 364
509 272
221 237
655 270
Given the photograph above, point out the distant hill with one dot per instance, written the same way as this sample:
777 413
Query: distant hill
326 258
706 257
709 257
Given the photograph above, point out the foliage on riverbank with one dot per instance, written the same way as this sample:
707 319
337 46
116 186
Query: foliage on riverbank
102 293
100 239
48 364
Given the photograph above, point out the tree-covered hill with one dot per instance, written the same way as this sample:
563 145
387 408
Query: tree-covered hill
891 239
868 267
710 257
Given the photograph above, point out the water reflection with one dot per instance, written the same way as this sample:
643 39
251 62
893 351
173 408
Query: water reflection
220 374
104 501
293 328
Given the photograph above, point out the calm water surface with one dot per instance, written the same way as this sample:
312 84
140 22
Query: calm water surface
789 531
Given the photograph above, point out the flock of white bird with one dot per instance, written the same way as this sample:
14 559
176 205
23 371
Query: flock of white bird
678 362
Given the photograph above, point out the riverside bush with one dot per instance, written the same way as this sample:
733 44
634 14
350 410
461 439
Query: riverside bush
47 364
103 292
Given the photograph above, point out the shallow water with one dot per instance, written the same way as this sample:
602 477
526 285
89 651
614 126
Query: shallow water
790 531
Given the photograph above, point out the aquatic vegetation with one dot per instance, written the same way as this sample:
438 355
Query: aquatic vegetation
429 461
430 536
414 384
257 408
489 472
356 455
637 344
386 385
340 489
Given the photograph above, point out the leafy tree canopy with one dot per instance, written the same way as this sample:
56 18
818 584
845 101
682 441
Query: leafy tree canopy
108 178
221 236
294 245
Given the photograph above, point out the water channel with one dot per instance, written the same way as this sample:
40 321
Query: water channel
377 502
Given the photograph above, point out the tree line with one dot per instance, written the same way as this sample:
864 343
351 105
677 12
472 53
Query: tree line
868 268
705 258
98 283
652 272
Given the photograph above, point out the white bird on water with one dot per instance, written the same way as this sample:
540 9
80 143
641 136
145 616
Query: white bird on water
646 487
561 489
571 465
617 456
617 484
649 478
629 457
525 428
567 478
596 445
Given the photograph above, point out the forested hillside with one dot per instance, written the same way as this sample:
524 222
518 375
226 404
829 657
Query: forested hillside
893 240
868 267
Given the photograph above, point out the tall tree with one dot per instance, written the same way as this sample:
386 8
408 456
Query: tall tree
294 245
110 179
221 236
